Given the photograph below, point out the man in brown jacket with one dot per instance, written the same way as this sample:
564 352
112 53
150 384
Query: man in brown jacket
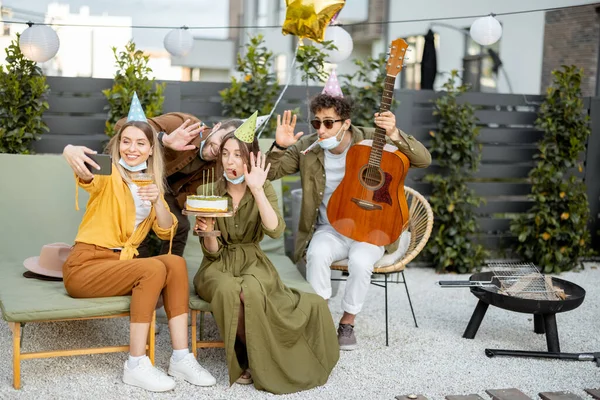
190 148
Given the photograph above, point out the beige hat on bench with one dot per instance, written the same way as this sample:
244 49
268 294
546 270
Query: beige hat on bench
50 261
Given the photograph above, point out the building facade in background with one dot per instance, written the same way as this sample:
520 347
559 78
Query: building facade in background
85 51
572 36
528 43
532 44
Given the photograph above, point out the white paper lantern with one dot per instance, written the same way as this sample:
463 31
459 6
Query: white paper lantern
342 40
39 43
486 30
179 42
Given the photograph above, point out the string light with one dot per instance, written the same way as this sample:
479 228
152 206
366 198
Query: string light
179 42
279 26
486 30
39 43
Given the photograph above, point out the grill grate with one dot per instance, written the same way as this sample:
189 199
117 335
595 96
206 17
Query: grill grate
524 280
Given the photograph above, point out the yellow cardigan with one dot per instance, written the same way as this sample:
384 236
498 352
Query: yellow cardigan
109 217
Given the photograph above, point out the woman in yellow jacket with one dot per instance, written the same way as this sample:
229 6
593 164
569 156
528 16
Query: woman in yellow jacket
102 263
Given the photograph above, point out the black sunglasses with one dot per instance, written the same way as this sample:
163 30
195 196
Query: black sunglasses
327 122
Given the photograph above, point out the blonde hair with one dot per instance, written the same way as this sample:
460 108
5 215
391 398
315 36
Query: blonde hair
156 163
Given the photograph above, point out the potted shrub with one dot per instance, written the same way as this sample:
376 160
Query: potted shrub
23 94
132 76
455 148
554 233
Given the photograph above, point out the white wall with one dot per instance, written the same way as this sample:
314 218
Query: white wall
521 46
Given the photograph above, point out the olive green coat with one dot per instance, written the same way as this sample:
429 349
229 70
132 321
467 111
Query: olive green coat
312 175
291 339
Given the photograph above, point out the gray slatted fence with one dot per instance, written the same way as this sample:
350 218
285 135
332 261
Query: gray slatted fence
508 136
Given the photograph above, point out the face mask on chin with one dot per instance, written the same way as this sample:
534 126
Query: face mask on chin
202 143
200 152
235 181
135 168
332 142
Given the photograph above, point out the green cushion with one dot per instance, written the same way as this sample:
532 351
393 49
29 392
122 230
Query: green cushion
27 300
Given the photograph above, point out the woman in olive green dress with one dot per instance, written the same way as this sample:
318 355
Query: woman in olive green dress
282 339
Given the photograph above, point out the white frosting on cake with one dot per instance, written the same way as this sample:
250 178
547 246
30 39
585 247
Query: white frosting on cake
206 203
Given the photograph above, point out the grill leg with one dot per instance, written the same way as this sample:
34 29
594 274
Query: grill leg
551 333
476 319
538 323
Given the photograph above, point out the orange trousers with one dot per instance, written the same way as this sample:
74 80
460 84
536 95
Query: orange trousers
94 271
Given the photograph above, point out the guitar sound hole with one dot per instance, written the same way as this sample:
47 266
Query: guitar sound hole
371 177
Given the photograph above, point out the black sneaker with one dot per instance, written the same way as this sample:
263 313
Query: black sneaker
346 337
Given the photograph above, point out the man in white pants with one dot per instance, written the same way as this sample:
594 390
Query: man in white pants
327 246
321 170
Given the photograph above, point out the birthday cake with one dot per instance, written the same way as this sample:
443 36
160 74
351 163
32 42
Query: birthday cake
206 203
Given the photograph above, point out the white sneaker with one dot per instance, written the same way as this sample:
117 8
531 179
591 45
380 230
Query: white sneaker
148 377
189 369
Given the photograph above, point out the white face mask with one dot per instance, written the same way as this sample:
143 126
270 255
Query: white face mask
332 142
135 168
201 147
235 181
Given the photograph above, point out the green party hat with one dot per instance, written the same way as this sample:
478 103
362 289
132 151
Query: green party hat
246 131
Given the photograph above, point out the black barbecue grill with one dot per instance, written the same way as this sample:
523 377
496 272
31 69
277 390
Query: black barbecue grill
521 288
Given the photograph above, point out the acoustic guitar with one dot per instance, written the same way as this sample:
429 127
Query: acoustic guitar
369 204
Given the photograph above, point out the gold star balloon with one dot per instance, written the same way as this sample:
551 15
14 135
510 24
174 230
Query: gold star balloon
309 18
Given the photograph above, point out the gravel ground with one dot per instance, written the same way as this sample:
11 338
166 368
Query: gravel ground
433 360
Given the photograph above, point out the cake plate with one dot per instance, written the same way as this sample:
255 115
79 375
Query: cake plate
211 214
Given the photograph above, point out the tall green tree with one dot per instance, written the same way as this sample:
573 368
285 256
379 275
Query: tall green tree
456 151
132 76
310 62
553 234
257 87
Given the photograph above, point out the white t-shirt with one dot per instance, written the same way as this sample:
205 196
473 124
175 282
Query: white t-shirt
142 208
335 169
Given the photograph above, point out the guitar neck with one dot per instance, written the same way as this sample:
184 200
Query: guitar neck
379 138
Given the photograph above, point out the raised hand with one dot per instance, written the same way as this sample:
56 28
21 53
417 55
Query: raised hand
284 135
255 179
76 157
181 137
387 121
205 224
149 193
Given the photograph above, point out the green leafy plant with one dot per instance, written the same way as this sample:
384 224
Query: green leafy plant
258 87
455 147
23 93
132 76
365 87
310 60
554 233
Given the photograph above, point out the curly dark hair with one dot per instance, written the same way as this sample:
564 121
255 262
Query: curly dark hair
342 105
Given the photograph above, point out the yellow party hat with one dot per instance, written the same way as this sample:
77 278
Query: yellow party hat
246 131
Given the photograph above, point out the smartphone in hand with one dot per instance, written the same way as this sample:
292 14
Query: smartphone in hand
104 161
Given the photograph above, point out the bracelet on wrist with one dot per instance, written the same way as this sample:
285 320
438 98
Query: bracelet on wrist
161 134
275 144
